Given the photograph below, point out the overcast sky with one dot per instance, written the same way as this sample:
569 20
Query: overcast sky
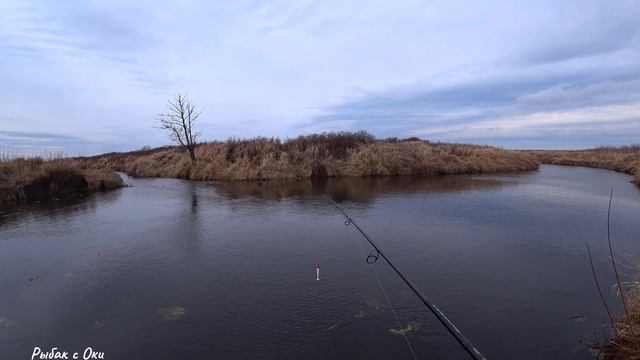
91 76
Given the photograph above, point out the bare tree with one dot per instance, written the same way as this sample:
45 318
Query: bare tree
179 120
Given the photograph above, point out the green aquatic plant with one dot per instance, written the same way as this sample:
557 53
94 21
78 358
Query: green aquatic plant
171 313
411 327
5 323
336 324
360 314
373 303
99 324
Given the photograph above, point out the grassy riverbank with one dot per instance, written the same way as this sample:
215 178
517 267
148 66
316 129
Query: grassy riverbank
624 159
625 343
36 179
323 155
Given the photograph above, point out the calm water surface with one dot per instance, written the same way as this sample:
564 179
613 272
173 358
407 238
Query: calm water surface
170 269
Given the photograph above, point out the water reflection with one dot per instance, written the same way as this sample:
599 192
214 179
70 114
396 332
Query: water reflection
358 189
59 209
191 227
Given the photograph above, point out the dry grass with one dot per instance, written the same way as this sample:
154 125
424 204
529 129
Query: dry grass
323 155
624 159
625 344
29 179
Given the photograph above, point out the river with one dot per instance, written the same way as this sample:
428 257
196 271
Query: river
173 269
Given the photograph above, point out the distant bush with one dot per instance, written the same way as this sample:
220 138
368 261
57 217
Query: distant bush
395 139
335 144
413 138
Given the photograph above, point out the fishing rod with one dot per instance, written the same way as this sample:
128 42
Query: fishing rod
373 257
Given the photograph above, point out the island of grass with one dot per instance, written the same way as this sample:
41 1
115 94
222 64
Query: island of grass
315 156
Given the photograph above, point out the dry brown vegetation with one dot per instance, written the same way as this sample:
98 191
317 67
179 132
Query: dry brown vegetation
625 344
320 155
37 179
624 159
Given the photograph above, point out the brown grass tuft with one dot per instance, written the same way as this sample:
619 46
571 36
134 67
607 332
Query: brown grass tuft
625 345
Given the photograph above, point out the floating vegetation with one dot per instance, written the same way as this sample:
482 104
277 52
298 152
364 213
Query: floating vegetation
34 278
171 313
336 324
576 318
374 304
5 323
360 314
411 327
99 324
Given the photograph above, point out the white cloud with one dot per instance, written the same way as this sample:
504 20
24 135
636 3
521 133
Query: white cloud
595 118
100 70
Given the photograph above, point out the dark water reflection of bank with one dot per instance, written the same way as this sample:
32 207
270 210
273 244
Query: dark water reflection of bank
356 188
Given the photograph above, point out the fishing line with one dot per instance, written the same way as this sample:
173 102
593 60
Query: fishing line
384 291
373 257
